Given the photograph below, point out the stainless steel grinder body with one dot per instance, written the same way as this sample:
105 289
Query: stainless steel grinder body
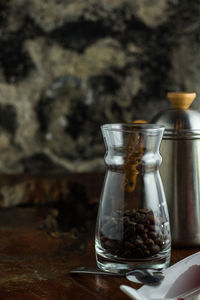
180 172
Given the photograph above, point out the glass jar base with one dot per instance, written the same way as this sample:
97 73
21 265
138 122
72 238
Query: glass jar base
122 266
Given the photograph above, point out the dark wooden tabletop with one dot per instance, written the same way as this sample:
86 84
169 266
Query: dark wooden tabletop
37 250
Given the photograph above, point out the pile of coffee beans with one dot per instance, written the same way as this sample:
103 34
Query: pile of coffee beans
133 234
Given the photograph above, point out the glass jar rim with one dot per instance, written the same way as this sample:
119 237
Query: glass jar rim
130 127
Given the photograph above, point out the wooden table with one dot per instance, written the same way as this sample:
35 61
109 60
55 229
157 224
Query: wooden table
37 251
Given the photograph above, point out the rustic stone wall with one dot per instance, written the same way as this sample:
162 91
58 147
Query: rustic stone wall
68 66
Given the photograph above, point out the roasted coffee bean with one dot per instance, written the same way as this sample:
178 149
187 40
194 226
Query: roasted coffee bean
151 218
140 228
143 234
128 254
154 249
141 219
138 252
147 253
143 210
108 244
149 242
152 227
129 233
126 220
139 242
127 213
147 223
158 241
132 223
152 234
129 245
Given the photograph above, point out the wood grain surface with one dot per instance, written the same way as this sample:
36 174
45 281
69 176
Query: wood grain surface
36 256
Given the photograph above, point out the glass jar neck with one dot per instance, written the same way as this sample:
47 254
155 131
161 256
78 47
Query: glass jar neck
128 145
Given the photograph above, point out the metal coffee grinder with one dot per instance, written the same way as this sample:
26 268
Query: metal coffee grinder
180 168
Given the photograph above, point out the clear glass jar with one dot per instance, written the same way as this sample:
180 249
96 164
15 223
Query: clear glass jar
132 227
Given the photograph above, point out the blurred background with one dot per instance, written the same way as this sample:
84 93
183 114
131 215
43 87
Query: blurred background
68 66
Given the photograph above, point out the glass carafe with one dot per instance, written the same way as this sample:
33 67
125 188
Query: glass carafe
132 227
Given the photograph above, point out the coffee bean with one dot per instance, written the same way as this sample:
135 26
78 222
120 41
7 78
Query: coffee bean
151 218
147 223
132 223
149 242
129 245
138 252
140 228
139 242
126 220
129 233
144 210
147 253
142 234
152 234
152 227
108 244
141 219
155 249
127 213
158 241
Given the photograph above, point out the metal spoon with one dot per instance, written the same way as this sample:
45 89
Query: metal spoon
147 276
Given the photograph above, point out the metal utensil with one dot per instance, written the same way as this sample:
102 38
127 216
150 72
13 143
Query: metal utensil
147 276
180 168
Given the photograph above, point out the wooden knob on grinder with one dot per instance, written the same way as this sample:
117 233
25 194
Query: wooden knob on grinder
181 100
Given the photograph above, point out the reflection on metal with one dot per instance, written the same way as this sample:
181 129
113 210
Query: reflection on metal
180 172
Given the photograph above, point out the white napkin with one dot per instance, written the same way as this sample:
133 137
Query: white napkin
180 278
